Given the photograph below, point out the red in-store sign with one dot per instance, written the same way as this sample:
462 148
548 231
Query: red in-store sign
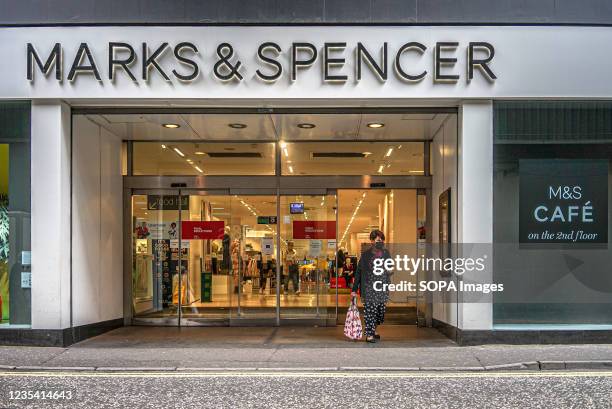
194 230
312 229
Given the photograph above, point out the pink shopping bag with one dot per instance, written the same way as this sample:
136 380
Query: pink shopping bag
352 325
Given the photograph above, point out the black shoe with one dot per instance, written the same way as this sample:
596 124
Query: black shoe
371 340
376 336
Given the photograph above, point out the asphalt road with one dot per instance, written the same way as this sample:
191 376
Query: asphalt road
311 390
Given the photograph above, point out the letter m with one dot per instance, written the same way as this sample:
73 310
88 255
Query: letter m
554 192
55 58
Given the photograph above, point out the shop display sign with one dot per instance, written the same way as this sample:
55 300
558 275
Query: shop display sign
266 219
26 279
164 230
315 248
26 258
167 202
312 229
563 201
206 230
174 244
267 246
296 208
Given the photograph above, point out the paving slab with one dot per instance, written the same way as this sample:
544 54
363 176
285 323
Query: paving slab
595 364
502 354
30 356
155 357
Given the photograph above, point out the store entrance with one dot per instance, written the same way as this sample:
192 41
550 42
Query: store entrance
217 257
251 218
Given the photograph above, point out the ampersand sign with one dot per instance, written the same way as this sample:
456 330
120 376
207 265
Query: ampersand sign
224 69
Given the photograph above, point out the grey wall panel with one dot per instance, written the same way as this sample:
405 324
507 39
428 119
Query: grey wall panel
341 11
385 11
486 11
301 11
45 12
591 12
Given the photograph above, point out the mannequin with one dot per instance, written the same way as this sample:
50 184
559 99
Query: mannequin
225 263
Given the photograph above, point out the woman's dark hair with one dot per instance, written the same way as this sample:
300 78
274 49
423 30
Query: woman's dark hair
377 233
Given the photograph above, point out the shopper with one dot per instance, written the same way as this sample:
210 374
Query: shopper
374 302
340 260
348 271
292 269
263 275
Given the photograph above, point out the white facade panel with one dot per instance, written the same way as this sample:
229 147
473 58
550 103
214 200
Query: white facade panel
529 62
97 224
50 215
475 198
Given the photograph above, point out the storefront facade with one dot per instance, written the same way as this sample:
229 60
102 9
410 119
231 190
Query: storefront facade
153 172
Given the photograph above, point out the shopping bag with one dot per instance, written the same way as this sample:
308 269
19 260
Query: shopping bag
352 325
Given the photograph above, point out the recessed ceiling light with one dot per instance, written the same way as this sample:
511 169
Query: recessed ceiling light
164 146
366 153
171 126
199 153
306 125
375 125
177 150
237 125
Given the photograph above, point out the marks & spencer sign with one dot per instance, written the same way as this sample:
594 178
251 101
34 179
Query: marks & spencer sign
563 201
304 62
410 62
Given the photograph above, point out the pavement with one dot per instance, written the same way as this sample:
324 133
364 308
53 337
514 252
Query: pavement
298 349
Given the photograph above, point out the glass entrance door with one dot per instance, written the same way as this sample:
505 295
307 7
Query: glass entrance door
308 257
253 227
214 260
157 255
206 237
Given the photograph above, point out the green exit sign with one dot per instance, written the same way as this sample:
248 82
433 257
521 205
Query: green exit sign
266 219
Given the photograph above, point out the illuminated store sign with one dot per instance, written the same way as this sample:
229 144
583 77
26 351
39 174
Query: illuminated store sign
184 62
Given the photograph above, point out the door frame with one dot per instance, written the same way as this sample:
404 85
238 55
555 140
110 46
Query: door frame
243 185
